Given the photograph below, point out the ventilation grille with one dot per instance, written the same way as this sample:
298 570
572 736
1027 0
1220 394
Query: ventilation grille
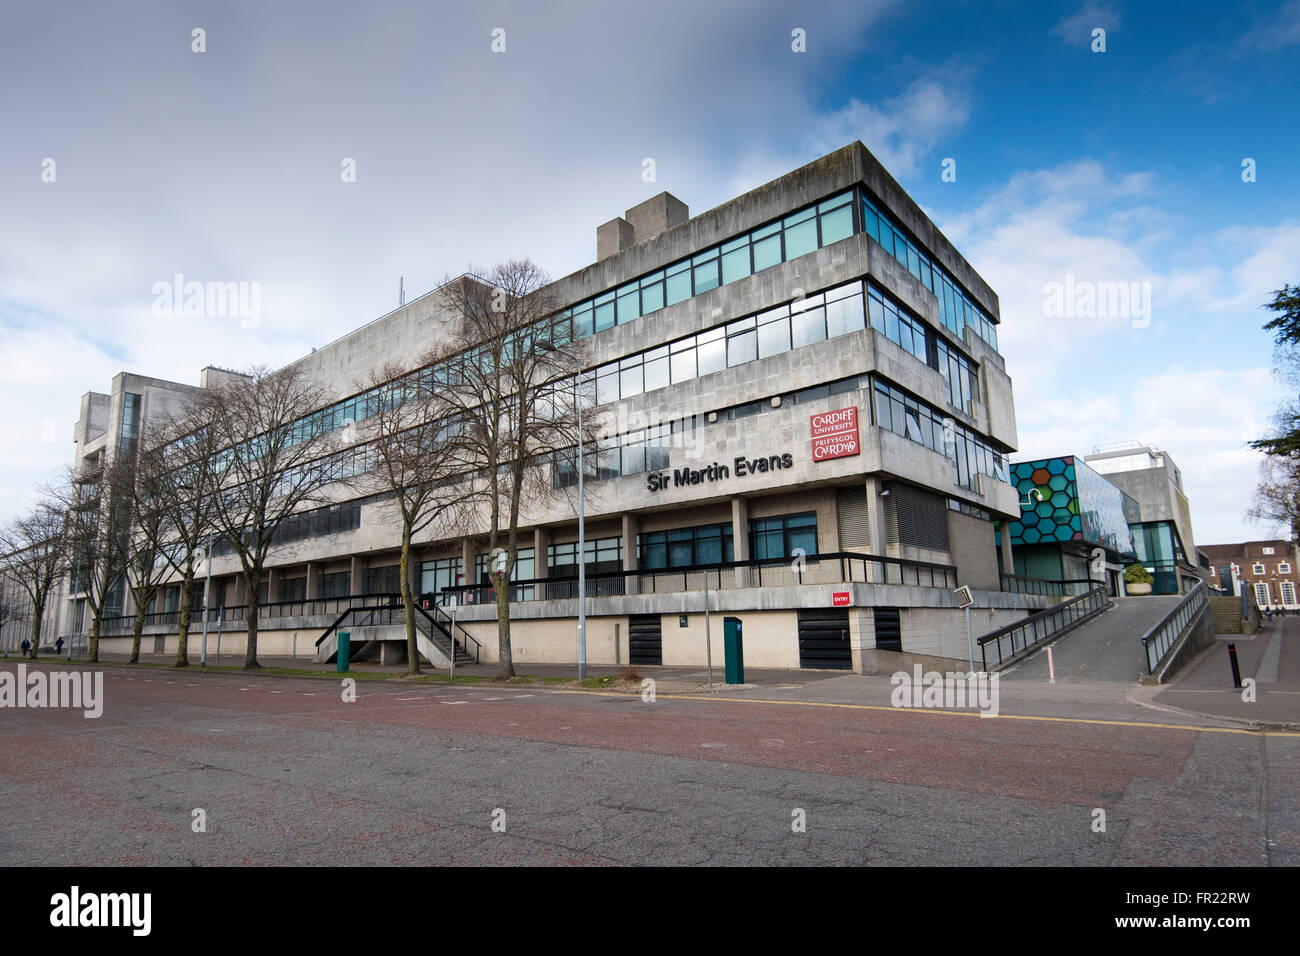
917 518
855 526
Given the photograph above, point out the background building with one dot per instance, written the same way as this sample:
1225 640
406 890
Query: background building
1162 538
1270 569
1067 514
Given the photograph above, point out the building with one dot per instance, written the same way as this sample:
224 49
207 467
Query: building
1073 524
1266 568
1163 537
808 369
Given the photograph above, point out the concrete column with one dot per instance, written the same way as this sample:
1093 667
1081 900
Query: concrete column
630 527
740 537
273 576
313 580
541 542
355 580
241 590
413 572
862 637
740 528
467 561
1004 532
876 514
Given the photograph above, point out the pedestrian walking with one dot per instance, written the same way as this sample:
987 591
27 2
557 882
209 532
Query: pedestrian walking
58 646
26 645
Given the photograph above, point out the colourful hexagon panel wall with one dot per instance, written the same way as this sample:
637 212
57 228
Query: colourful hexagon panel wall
1062 499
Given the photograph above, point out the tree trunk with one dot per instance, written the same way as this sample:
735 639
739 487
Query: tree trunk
136 632
408 604
94 639
250 619
183 621
36 632
502 593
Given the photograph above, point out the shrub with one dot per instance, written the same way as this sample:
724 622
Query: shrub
1136 574
629 673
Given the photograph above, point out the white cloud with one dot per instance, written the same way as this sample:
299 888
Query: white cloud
1078 27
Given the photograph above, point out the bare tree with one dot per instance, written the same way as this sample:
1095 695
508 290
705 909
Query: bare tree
513 395
144 544
417 462
274 462
34 546
97 525
179 463
1277 498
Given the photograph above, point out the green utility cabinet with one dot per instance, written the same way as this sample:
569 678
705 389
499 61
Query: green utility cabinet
734 648
345 650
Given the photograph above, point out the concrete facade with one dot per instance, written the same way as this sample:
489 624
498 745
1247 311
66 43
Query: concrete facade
918 506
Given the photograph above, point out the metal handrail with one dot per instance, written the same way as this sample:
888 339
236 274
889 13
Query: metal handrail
1042 625
1046 587
843 567
1164 634
450 629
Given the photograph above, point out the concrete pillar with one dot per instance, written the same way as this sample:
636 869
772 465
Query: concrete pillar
467 561
541 542
355 580
740 538
876 514
413 572
740 528
1004 532
241 590
272 578
862 636
313 580
630 526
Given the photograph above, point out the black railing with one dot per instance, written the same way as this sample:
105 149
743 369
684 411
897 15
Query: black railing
834 568
439 618
1162 636
1046 587
1036 628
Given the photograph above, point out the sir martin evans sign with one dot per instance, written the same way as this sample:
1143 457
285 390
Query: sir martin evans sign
658 480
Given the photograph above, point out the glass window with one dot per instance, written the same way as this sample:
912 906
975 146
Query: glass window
679 283
652 297
629 303
742 348
837 225
767 252
706 276
604 312
808 326
774 334
800 239
711 356
656 371
844 315
630 382
683 365
735 264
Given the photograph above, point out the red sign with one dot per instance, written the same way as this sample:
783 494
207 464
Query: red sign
835 434
840 599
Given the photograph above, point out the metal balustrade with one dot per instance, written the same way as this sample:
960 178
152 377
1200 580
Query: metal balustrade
823 569
1036 628
1162 636
1046 587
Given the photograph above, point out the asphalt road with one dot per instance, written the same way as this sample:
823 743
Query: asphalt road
288 773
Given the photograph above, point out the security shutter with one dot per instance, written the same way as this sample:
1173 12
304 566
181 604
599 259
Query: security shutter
916 517
824 638
855 526
645 639
889 630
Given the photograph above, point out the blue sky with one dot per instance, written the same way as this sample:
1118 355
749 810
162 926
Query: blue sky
1122 166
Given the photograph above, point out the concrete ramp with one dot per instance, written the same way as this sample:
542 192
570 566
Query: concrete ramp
1108 648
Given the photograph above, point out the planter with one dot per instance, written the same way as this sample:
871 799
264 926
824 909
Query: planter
1134 590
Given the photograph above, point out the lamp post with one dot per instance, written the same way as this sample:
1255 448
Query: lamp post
207 592
547 346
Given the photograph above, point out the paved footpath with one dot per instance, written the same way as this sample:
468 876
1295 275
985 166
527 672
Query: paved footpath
286 771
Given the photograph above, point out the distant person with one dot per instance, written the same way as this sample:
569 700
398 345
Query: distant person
58 646
26 646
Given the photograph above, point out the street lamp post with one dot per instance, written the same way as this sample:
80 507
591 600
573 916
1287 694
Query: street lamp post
207 598
546 346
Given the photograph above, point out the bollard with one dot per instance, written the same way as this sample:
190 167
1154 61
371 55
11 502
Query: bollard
1236 671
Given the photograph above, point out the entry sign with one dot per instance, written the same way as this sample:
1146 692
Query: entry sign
835 434
840 599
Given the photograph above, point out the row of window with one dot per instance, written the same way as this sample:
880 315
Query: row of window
818 317
956 310
906 416
797 234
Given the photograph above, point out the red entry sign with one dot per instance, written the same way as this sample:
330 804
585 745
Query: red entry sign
835 434
840 599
